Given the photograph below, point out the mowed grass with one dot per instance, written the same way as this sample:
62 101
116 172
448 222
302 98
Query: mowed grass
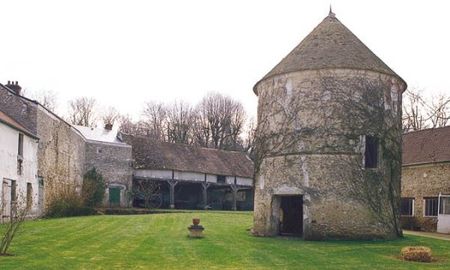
160 241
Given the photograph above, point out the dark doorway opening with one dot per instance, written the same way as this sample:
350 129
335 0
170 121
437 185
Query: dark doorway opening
291 221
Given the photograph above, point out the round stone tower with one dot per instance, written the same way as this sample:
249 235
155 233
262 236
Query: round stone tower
328 144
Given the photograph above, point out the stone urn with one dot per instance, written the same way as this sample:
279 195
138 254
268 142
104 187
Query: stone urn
196 230
195 221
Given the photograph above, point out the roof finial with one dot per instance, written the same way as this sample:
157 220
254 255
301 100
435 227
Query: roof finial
331 14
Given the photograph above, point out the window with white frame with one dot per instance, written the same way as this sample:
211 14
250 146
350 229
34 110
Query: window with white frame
431 206
407 207
444 207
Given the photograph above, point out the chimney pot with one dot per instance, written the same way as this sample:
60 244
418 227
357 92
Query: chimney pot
14 85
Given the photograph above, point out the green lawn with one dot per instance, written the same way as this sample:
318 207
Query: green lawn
160 241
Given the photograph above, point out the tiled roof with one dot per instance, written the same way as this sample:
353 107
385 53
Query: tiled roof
6 119
426 146
330 45
151 154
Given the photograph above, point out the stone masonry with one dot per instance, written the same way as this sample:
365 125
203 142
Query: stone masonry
316 110
421 181
113 161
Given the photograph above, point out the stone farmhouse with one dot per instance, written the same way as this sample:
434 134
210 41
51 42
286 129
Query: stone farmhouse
18 168
187 176
61 147
329 123
109 155
426 180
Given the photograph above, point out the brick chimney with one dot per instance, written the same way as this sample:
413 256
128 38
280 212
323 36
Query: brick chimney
14 85
108 126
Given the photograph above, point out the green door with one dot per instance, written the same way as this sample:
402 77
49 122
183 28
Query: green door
114 196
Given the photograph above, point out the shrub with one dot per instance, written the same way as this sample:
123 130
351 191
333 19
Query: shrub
68 203
93 189
416 254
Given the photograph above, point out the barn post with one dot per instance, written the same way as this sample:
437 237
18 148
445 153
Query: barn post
205 186
234 190
172 184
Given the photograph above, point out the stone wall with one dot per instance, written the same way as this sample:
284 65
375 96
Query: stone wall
422 181
114 162
312 127
60 155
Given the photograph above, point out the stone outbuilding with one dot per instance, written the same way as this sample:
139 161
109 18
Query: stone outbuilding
110 156
425 201
328 159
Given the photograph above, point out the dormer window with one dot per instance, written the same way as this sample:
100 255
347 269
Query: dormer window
371 152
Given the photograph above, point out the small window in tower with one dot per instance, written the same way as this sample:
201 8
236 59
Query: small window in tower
371 152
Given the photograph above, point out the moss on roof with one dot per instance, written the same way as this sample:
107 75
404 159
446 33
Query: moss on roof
330 45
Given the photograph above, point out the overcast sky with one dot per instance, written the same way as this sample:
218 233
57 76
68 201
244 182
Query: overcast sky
126 52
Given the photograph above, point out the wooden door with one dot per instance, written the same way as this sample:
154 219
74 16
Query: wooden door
292 215
114 196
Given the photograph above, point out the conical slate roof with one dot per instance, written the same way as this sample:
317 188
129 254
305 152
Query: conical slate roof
330 45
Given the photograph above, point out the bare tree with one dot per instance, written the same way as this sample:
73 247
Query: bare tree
420 112
82 111
17 214
220 121
179 122
110 116
128 126
155 116
439 111
249 137
149 191
201 128
46 98
413 107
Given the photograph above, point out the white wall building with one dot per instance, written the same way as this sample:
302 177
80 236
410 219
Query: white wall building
19 184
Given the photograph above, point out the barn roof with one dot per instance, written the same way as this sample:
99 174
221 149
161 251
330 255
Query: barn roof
157 155
426 146
9 121
330 45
